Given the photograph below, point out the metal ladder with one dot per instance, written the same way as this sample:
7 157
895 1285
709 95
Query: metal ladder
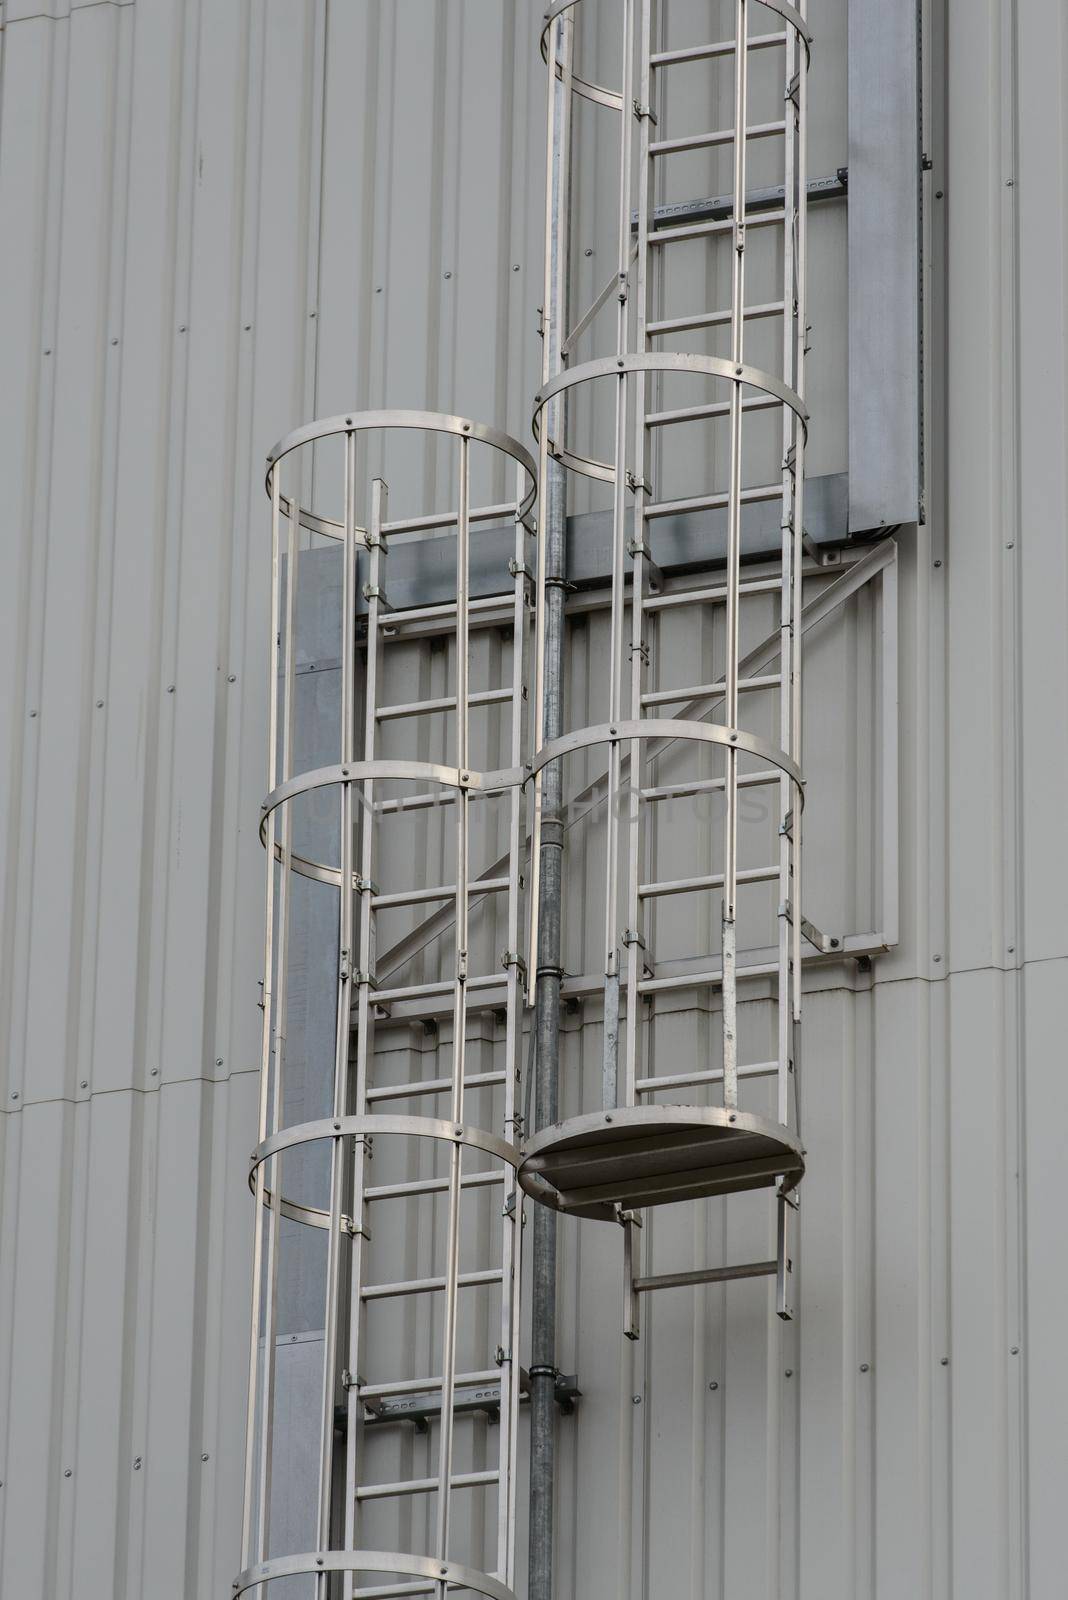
366 1125
638 1151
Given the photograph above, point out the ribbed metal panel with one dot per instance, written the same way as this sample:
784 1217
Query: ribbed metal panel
219 221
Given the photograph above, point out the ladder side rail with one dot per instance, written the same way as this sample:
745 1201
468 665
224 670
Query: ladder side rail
641 556
508 1430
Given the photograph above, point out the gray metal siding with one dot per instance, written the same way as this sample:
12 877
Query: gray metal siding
194 181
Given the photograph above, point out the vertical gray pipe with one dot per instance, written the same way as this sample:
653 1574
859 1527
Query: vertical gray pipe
547 1063
553 530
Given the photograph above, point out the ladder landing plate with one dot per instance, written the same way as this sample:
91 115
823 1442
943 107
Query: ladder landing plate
639 1156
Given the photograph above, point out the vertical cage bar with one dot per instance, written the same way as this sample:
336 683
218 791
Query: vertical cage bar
280 1009
344 1003
265 1049
459 1014
734 545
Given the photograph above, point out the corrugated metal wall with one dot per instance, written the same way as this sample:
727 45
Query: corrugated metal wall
220 219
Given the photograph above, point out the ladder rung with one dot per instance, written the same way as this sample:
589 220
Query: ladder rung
389 1491
719 408
690 1080
713 319
419 1186
711 975
393 1591
444 891
701 230
699 1275
667 697
703 597
394 1291
425 708
383 997
706 52
709 502
447 519
721 136
447 608
413 1091
685 788
709 880
376 1391
432 798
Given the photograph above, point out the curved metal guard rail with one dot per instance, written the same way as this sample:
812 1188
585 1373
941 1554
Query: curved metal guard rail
325 825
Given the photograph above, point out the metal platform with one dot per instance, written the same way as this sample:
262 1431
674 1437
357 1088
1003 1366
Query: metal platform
589 1166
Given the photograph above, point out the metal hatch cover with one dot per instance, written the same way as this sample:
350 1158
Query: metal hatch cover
588 1166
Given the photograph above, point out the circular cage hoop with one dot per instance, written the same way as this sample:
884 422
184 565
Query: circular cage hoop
668 728
312 1563
463 779
613 98
738 373
636 1156
368 1126
417 421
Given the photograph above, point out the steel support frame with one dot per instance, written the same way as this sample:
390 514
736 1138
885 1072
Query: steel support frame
841 576
360 1113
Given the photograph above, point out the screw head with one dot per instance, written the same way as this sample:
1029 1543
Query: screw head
864 1367
85 1083
1015 1351
945 1361
636 1399
218 1061
448 274
67 1472
205 1457
713 1387
137 1463
789 1372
